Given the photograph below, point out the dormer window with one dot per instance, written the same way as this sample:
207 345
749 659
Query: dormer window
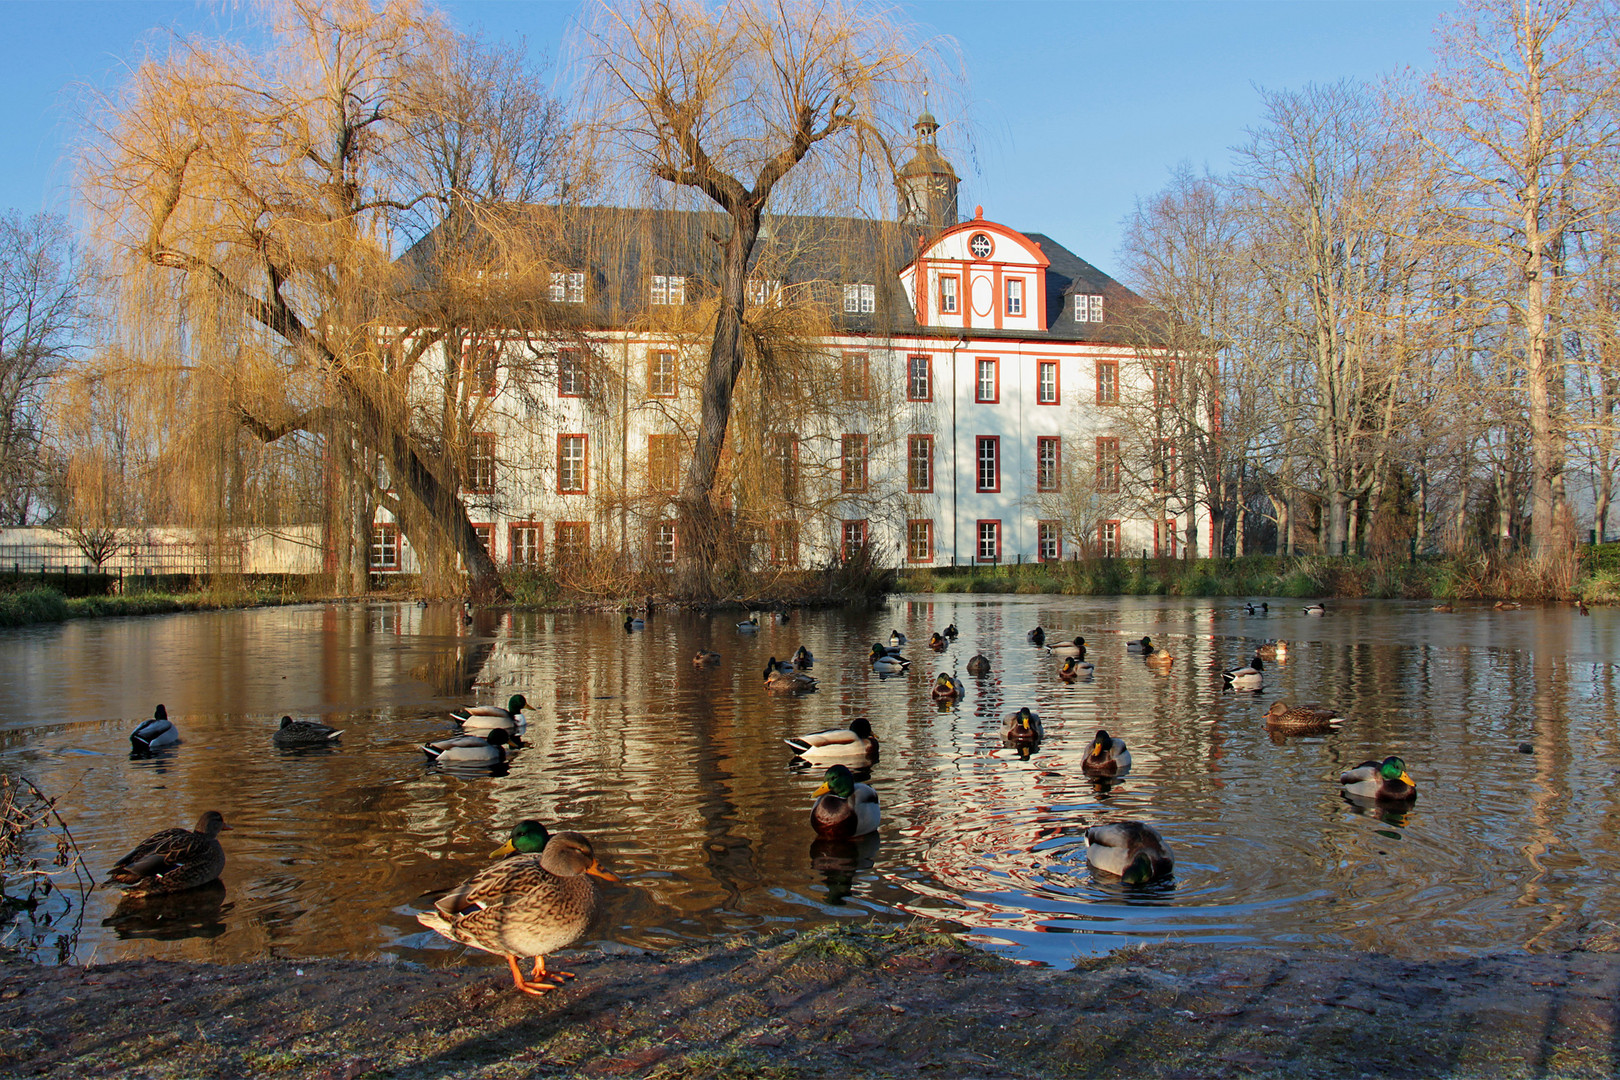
668 290
761 293
860 299
567 288
1088 308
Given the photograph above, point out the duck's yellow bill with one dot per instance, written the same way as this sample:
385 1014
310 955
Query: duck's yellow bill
596 871
820 791
503 851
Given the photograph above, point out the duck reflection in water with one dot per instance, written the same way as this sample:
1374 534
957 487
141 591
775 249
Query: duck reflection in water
194 913
1390 813
840 861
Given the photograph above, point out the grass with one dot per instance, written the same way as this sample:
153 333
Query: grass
41 604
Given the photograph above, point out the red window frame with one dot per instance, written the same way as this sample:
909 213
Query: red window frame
980 442
1111 397
481 454
662 554
663 452
785 543
486 536
514 543
654 373
849 483
480 364
927 377
580 377
1007 296
978 539
1055 481
927 526
1164 467
955 297
1108 538
578 535
1108 464
912 443
857 376
1054 529
1166 539
584 463
852 531
979 380
1041 366
784 459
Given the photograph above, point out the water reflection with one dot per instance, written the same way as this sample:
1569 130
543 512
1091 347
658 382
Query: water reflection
195 913
679 773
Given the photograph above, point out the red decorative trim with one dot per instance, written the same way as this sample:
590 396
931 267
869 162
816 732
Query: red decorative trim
674 376
928 558
1057 382
979 443
1101 364
978 532
1057 462
928 359
978 384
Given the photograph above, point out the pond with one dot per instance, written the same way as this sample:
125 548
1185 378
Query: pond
681 778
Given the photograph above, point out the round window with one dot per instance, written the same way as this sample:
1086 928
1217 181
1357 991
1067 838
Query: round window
980 245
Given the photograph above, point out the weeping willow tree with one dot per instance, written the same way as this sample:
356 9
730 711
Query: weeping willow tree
746 104
277 188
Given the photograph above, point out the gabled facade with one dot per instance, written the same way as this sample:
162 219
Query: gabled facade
975 371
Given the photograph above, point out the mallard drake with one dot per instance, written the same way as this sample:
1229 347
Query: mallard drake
855 741
1315 609
978 664
173 860
482 719
1385 781
632 624
1142 646
1130 850
1077 647
778 681
1302 718
951 631
885 662
154 734
705 658
946 687
749 625
1037 637
844 809
1272 650
1245 678
1074 669
487 749
1106 756
529 905
896 639
304 733
803 659
938 641
1023 728
528 837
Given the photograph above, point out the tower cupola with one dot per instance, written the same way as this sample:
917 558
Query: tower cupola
926 185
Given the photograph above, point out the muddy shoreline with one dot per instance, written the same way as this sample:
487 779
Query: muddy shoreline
867 1002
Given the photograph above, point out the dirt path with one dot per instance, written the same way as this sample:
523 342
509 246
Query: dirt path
862 1003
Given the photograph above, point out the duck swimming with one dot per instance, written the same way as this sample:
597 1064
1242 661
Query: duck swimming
1023 728
802 658
1385 781
1076 668
1077 647
1107 756
1315 609
1301 718
304 733
154 734
844 809
173 860
938 641
487 749
1130 850
946 688
854 741
482 719
978 664
1143 646
1037 637
705 658
779 681
885 662
1245 678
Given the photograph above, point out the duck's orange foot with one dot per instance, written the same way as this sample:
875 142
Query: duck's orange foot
540 971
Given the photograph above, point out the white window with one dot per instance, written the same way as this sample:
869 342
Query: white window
567 288
947 294
860 299
668 290
571 450
761 293
989 541
661 374
989 388
1088 309
1015 296
385 546
1050 541
1047 383
664 544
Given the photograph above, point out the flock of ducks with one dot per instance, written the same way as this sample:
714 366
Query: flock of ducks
540 896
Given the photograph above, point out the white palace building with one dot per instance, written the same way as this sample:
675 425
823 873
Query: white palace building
974 370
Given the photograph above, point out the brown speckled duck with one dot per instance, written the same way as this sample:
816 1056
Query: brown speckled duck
173 860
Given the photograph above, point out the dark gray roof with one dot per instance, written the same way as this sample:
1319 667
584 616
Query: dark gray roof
619 248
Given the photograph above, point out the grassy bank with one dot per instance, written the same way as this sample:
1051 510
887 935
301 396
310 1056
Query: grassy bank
26 607
1595 576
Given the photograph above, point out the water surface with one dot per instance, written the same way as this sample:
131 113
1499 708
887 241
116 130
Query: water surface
680 776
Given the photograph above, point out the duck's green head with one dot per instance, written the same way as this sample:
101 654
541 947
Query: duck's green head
838 781
878 651
516 704
1025 717
1101 743
528 838
1071 663
1394 768
944 681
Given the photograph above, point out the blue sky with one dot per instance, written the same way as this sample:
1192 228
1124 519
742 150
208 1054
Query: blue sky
1079 109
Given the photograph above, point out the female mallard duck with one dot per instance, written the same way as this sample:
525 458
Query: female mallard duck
1106 756
1444 609
1023 728
896 639
487 749
844 809
1037 637
951 631
304 733
885 662
1301 718
1142 646
705 658
749 625
1273 650
855 741
778 681
1386 781
1077 647
1507 605
1075 669
946 687
154 734
1130 850
1248 677
530 905
632 624
978 664
483 719
173 859
1158 659
1316 609
803 659
938 641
